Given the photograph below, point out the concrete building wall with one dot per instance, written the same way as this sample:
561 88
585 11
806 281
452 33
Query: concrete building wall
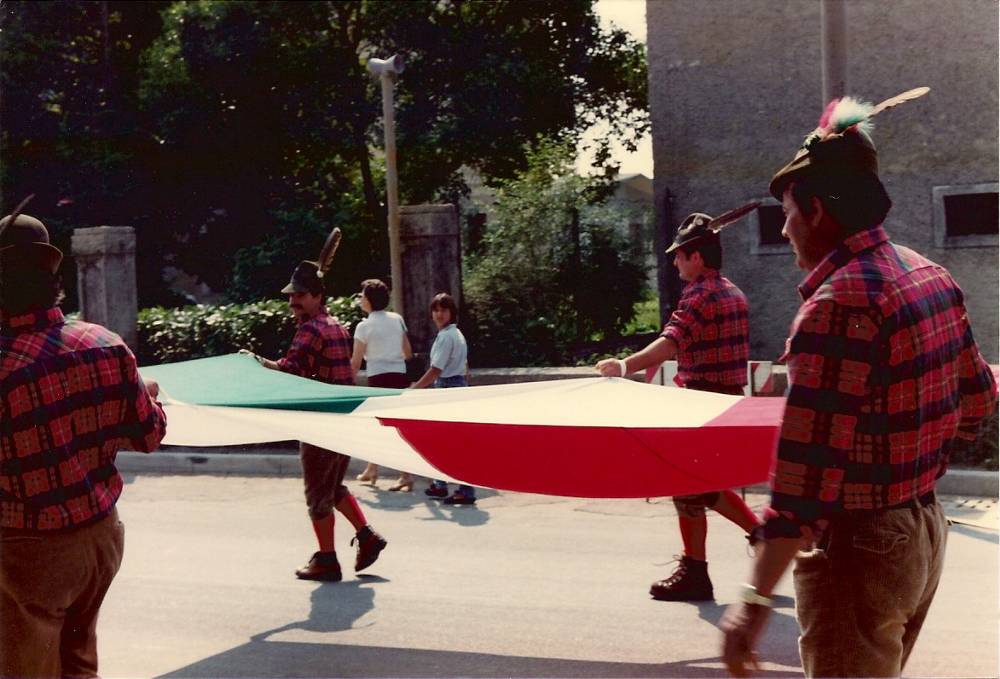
736 85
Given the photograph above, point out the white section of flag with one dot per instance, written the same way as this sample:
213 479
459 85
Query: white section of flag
361 437
590 402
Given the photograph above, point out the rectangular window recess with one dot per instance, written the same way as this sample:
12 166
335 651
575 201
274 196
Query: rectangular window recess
966 215
766 223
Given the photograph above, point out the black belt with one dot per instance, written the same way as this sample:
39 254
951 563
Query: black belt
846 519
925 500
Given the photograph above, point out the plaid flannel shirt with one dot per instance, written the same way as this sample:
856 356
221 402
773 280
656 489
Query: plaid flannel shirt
711 327
321 350
883 374
70 399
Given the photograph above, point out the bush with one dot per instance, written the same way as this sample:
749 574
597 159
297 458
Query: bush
200 331
551 271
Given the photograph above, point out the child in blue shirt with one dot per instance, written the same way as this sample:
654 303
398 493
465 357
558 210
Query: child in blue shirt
449 367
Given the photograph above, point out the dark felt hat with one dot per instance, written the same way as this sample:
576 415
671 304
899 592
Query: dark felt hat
305 278
24 242
834 156
840 146
699 226
693 228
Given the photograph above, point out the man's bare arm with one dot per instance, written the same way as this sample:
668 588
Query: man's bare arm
660 350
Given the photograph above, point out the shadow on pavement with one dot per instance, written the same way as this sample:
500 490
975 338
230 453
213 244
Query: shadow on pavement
337 606
977 532
286 659
334 607
463 515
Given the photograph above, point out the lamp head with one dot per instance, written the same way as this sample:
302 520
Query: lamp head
392 66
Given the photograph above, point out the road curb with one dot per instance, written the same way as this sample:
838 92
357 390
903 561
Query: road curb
193 462
972 482
969 482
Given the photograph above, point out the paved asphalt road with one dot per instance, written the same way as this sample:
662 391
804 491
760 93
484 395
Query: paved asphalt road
521 585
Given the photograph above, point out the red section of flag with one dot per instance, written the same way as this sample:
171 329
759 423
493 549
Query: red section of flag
735 449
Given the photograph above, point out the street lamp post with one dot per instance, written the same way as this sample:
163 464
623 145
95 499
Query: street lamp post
833 25
386 70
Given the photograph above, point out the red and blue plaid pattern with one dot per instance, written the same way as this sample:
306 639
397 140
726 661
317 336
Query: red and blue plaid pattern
71 398
321 350
883 374
711 327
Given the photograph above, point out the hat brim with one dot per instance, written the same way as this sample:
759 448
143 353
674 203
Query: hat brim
34 255
675 246
841 155
785 175
291 287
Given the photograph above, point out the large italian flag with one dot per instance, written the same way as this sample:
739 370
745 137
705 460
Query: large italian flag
594 437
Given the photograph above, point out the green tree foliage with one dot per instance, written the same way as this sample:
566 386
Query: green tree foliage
256 106
549 274
276 98
241 132
70 129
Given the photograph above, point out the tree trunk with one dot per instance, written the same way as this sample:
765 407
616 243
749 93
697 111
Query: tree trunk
574 234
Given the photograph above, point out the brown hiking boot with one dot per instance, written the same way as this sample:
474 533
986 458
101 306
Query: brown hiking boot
689 582
322 566
370 544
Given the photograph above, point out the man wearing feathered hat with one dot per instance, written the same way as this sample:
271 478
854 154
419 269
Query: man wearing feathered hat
70 397
321 350
708 334
883 375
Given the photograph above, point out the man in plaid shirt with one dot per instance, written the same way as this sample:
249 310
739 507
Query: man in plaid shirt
884 374
321 350
70 399
708 334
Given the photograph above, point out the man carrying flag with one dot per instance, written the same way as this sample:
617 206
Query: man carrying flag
708 334
70 399
321 350
883 374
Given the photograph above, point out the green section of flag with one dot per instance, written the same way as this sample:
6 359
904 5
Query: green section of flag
238 380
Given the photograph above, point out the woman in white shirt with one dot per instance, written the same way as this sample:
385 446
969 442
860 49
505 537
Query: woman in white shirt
381 341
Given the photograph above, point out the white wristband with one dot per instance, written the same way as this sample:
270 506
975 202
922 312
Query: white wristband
624 369
750 595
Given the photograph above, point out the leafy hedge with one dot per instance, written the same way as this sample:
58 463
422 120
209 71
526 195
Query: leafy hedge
200 331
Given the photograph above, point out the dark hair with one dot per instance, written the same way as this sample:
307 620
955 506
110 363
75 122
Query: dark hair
316 288
25 289
710 248
443 300
377 293
856 201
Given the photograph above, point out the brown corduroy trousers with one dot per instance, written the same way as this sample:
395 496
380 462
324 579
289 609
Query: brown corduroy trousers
862 598
51 589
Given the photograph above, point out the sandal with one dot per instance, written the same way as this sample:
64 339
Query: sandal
369 475
405 483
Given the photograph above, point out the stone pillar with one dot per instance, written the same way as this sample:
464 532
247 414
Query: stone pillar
105 264
432 263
